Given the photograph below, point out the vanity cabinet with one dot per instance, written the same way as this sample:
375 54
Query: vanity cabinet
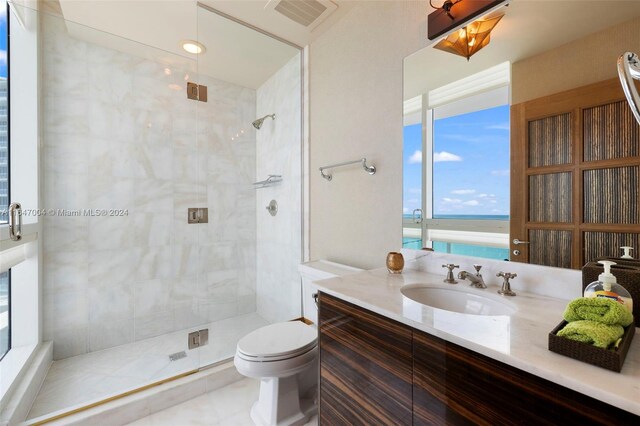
366 367
374 371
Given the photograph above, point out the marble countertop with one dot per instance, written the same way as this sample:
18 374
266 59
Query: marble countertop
519 340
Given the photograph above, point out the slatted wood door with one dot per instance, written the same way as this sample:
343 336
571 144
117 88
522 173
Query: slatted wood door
575 173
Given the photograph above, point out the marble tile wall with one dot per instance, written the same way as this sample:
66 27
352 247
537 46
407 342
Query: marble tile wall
278 146
119 133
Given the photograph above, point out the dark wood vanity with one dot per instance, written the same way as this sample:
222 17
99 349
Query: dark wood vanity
374 371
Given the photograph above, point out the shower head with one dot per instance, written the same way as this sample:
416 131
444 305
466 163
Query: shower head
258 123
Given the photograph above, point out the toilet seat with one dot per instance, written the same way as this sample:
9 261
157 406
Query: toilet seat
277 342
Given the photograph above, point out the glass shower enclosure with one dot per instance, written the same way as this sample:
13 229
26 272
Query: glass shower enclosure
158 253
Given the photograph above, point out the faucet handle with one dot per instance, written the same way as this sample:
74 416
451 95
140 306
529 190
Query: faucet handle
506 275
506 285
450 278
477 268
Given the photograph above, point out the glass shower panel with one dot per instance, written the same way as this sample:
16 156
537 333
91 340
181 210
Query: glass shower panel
248 258
119 170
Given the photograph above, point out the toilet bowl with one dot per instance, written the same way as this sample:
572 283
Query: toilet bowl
284 357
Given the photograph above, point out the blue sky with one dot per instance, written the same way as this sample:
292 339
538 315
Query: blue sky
3 38
471 170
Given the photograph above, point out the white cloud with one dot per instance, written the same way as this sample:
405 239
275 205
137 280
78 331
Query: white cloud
503 172
451 200
471 203
443 156
3 57
501 126
463 191
416 158
405 210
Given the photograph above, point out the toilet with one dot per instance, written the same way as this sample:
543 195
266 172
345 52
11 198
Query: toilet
284 357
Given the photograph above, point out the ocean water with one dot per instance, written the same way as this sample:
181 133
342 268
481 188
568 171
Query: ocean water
484 252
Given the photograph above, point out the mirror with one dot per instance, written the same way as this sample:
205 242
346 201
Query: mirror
527 151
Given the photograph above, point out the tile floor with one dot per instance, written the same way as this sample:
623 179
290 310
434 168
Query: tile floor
227 406
83 379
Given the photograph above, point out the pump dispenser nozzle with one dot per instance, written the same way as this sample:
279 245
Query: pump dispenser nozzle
627 252
607 278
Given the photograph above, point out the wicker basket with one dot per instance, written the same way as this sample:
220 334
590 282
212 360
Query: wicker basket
605 358
627 273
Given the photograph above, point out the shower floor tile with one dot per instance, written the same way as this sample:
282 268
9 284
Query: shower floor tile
84 379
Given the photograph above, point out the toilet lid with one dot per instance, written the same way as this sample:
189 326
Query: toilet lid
278 340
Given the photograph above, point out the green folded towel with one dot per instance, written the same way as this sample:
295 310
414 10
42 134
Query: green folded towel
593 333
598 309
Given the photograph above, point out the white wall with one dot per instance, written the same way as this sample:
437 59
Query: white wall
278 151
356 93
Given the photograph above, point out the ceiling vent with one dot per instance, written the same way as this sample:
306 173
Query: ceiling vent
308 13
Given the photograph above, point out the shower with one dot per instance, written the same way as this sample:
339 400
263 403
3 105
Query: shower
258 123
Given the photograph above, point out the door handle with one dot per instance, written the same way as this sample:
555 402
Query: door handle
517 241
419 218
15 232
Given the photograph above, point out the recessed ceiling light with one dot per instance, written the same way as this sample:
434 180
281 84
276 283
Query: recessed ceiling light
193 47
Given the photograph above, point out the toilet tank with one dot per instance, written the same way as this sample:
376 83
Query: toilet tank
316 271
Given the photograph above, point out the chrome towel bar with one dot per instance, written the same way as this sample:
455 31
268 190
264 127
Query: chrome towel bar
369 169
270 181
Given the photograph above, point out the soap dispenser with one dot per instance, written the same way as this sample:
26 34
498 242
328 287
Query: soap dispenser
608 287
627 252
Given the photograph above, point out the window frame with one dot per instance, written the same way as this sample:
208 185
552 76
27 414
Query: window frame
5 208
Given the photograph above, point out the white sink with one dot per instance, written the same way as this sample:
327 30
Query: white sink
457 300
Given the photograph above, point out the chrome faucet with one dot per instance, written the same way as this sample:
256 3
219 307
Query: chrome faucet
450 278
476 280
506 286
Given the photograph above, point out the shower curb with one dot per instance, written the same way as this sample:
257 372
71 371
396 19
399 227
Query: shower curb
140 404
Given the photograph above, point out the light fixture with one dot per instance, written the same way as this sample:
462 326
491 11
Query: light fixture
446 6
193 47
468 40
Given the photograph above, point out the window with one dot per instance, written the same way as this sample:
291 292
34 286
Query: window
412 193
471 165
469 174
456 171
4 112
5 317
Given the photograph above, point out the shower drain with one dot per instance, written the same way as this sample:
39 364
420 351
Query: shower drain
177 356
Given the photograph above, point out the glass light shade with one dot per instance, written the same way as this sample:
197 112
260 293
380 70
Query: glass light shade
469 40
193 47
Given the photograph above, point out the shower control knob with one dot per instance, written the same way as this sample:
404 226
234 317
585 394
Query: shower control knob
272 208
